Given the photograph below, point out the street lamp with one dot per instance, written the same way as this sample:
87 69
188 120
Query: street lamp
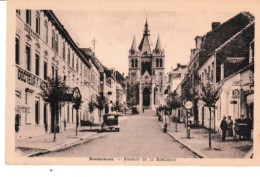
77 102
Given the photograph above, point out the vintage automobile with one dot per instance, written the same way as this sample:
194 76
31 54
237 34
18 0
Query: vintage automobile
110 122
243 128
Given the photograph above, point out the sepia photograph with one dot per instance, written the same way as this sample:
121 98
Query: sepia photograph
136 87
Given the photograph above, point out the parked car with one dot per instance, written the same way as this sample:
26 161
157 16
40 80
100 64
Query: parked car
110 122
243 128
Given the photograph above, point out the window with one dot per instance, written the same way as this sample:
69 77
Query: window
52 72
80 68
68 113
63 50
37 64
136 63
45 118
69 56
18 12
37 111
46 31
73 60
251 52
28 17
17 50
45 70
53 40
132 61
38 23
28 57
57 43
72 115
77 65
161 63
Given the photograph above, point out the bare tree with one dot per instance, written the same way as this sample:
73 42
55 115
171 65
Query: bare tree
210 93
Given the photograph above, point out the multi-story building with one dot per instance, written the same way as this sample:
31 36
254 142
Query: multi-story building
176 75
146 72
223 56
121 89
44 49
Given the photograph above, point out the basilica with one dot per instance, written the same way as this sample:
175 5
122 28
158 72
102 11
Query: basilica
146 71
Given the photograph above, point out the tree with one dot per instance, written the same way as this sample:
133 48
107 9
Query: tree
101 103
173 102
54 91
210 93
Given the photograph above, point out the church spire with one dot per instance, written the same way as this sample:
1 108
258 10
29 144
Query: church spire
158 43
133 47
146 30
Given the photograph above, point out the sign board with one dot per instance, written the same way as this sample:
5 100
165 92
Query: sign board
235 59
188 105
233 102
236 93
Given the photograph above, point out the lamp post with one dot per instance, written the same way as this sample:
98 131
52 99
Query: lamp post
77 103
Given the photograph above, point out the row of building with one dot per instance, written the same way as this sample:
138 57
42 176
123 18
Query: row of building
225 55
43 48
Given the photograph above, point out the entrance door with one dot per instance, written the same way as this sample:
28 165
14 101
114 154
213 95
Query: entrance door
146 97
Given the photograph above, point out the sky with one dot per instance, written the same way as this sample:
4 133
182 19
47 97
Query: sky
114 32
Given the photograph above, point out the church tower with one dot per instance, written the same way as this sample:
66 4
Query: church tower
146 72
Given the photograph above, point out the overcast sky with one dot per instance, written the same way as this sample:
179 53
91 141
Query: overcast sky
114 32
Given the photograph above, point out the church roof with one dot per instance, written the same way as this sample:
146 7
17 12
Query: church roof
158 43
133 47
144 45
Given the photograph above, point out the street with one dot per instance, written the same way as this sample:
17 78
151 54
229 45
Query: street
139 136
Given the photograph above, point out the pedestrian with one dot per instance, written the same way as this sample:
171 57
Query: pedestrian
230 126
143 110
224 126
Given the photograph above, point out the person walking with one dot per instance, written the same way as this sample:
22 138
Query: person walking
224 127
230 126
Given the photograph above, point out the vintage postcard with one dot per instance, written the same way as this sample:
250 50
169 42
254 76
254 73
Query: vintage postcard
132 82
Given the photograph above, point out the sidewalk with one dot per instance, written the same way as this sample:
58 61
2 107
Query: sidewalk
199 143
44 143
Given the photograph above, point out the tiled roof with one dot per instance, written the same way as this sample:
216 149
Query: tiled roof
215 38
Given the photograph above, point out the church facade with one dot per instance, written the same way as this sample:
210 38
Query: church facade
146 72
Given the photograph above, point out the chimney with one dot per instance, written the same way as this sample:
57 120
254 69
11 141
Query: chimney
178 65
198 40
192 53
214 25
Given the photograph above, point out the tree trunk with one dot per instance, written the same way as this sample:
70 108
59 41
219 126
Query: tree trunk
209 127
77 121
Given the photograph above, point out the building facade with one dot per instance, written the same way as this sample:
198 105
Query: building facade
43 48
146 72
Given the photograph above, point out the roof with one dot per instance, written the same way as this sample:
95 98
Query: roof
215 38
144 45
55 21
179 66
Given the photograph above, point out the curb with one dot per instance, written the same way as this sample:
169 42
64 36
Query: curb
62 146
199 154
249 154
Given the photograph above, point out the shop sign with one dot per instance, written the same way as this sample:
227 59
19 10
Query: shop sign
28 78
236 83
236 93
233 102
235 59
22 109
188 105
